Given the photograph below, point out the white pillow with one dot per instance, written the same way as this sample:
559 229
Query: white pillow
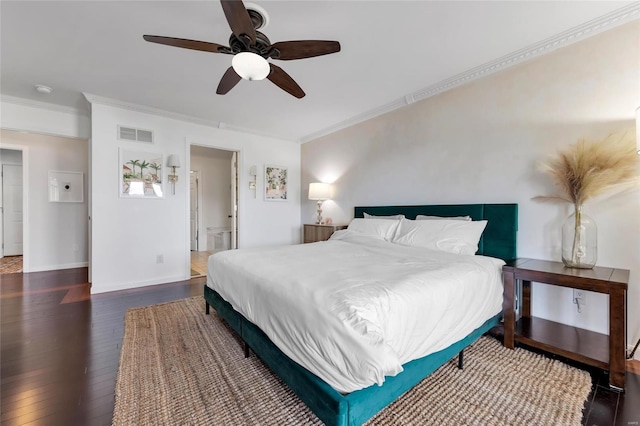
423 217
452 236
393 217
379 228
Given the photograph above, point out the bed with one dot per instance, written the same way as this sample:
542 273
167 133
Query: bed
331 399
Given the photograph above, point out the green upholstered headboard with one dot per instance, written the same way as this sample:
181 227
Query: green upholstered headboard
499 237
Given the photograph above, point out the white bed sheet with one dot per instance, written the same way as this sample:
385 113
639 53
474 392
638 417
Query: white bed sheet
353 309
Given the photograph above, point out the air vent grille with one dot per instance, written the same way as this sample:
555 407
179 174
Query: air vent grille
131 134
145 136
127 133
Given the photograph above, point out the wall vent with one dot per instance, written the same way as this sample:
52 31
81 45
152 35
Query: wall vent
138 135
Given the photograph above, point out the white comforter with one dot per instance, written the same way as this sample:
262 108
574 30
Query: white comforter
353 309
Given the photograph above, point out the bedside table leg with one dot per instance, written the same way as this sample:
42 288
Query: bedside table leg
526 299
617 338
508 307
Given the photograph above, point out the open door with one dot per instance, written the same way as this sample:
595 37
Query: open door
234 201
193 209
12 209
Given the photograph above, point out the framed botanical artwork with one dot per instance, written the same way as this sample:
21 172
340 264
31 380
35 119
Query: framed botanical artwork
275 183
66 187
141 174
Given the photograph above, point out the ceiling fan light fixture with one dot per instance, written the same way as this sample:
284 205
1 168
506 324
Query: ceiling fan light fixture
252 49
258 15
250 66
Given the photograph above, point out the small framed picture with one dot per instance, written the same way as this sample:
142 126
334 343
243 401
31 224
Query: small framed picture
66 187
275 183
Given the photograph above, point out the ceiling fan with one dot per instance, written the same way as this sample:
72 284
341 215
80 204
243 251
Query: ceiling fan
251 49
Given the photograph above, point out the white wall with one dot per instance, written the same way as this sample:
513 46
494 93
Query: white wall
480 143
128 234
43 118
214 167
40 118
55 234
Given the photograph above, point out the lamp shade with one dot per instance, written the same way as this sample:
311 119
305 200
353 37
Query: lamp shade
173 161
250 66
319 191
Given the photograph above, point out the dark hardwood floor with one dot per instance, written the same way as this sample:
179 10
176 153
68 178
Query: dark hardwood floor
60 349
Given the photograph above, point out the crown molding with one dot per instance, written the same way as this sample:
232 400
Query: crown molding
42 105
95 99
254 132
174 115
581 32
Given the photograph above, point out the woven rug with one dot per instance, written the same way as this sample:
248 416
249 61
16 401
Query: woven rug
180 366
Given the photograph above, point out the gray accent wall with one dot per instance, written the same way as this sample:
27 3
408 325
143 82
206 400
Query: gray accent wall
482 143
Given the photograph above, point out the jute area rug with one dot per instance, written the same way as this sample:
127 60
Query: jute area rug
179 366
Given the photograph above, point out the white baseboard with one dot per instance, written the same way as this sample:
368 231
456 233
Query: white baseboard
57 267
96 288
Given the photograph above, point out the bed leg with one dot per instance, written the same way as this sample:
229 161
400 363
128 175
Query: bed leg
247 350
206 309
461 359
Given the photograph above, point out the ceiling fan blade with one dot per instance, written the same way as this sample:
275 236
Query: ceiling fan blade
239 20
304 49
228 81
284 81
204 46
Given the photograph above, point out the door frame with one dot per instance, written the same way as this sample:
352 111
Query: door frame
187 217
25 203
198 204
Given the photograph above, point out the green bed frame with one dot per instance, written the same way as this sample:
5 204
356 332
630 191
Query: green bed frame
355 408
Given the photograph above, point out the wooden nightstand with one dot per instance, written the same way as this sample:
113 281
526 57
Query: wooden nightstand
314 233
596 349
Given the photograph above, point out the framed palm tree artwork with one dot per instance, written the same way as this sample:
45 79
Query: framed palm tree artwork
275 183
141 174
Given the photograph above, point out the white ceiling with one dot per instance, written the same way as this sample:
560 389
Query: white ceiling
392 52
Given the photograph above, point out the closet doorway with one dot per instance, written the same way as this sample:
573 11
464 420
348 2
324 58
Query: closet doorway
213 204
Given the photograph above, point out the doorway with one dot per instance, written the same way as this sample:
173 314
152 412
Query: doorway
11 211
212 204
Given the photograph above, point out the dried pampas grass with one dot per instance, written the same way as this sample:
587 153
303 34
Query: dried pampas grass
588 169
